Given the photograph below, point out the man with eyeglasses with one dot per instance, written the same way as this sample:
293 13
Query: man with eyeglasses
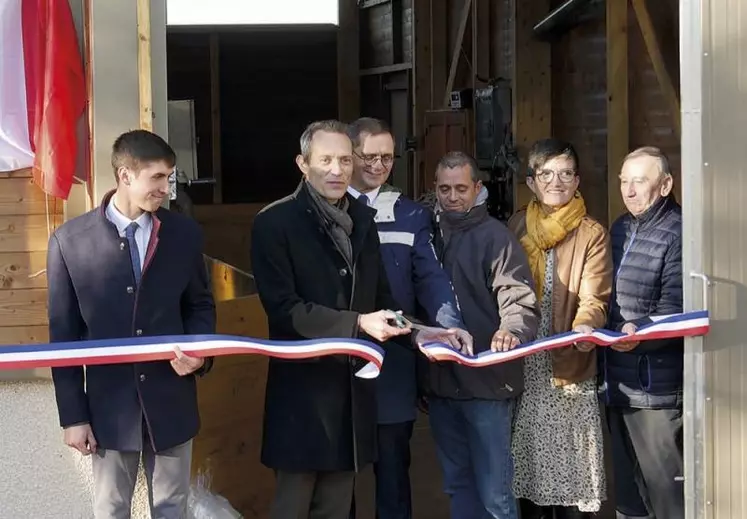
418 283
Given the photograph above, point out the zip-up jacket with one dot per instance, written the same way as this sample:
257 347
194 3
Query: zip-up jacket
419 285
647 257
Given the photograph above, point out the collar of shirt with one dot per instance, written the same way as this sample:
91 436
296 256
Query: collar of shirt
144 221
372 195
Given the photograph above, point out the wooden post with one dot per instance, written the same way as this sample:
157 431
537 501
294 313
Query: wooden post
348 61
143 65
532 87
215 117
422 85
618 119
480 40
439 28
643 16
457 50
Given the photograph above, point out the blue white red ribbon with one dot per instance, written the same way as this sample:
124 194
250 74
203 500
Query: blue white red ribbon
688 324
144 349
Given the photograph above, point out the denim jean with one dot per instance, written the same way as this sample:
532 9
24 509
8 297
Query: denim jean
473 440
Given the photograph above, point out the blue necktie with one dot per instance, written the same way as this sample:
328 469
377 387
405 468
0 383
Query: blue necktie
134 251
363 198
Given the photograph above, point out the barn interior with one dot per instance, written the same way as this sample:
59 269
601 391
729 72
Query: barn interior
484 76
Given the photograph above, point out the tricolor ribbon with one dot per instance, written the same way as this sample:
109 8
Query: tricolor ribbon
688 324
144 349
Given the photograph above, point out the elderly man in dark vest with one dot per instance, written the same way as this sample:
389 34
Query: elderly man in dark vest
642 382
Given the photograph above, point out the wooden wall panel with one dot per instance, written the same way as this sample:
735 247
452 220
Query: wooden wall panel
231 400
24 228
579 106
227 232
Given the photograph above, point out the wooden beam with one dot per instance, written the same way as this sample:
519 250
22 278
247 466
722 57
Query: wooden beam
457 51
532 87
618 117
480 40
217 165
386 69
439 28
421 85
398 40
348 61
143 65
643 16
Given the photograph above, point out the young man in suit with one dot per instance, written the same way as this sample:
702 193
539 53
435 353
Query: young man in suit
131 269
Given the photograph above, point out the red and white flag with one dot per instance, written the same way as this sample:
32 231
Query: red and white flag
42 92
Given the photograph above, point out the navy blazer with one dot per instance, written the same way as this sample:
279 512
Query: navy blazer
93 295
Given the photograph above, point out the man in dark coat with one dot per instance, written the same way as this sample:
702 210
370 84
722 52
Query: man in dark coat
417 280
316 262
642 382
472 409
131 269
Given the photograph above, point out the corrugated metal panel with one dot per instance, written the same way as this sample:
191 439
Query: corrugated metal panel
716 238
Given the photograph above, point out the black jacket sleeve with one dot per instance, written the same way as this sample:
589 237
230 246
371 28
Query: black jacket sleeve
286 311
65 324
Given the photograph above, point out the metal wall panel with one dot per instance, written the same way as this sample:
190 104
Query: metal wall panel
714 93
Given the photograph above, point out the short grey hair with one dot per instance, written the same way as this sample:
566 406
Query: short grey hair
651 152
458 159
329 126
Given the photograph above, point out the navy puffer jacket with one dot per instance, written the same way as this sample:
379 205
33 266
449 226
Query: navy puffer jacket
647 255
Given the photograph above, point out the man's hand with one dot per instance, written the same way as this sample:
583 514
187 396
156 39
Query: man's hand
503 340
184 364
422 404
377 325
584 345
456 338
629 329
80 438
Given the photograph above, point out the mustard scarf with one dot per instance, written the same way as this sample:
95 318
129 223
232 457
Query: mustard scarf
545 230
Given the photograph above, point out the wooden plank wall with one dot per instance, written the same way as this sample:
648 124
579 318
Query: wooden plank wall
23 246
571 100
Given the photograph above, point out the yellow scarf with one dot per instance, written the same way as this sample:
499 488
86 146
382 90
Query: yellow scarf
545 230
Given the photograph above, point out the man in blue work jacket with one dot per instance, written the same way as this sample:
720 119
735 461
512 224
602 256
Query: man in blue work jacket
418 284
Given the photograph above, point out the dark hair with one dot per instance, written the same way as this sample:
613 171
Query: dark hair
457 159
368 125
137 148
547 149
654 153
329 126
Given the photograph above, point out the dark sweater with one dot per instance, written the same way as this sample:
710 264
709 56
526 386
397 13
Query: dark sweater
494 289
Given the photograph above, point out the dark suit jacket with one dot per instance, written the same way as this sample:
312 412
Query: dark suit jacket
318 415
92 295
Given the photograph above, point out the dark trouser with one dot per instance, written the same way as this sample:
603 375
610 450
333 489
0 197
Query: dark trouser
647 462
531 511
473 440
392 471
312 495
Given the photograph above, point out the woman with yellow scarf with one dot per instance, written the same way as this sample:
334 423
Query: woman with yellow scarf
557 438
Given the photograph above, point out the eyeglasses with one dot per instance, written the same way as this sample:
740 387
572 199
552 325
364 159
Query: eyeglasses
370 159
546 176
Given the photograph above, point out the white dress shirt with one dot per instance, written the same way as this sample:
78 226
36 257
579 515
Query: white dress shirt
372 195
142 233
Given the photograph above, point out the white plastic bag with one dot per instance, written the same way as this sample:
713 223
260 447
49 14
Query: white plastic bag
203 504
